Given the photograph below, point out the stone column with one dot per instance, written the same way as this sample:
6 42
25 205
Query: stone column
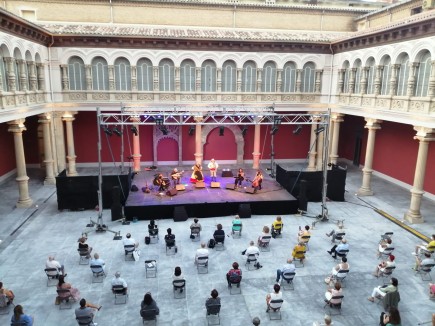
133 78
136 147
377 81
363 89
298 80
431 89
17 127
411 79
22 77
317 86
312 150
111 78
177 79
352 77
88 74
44 120
424 136
65 81
336 119
32 76
40 76
279 80
393 79
256 153
156 78
319 156
68 117
198 79
340 81
372 125
59 141
10 74
259 79
219 79
198 142
239 79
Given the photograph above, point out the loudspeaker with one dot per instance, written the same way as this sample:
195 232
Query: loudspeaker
180 214
303 202
116 208
245 210
116 195
231 186
251 190
172 192
215 185
200 184
180 187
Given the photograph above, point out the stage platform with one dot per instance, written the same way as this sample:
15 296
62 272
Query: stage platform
207 202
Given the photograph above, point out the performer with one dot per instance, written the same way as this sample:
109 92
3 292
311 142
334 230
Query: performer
240 177
158 181
213 166
258 180
176 176
197 173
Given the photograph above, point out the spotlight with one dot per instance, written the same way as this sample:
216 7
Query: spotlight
117 132
297 130
107 131
221 130
274 130
319 130
159 121
191 130
134 130
244 131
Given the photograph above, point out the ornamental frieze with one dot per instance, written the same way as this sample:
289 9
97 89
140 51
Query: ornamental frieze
417 106
188 97
397 105
228 98
10 100
21 99
101 96
268 97
145 97
355 100
77 96
123 97
380 102
208 97
366 102
40 97
32 98
249 98
167 97
308 98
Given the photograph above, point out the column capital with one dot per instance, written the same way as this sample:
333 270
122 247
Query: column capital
44 118
372 123
17 125
337 117
424 133
198 118
68 116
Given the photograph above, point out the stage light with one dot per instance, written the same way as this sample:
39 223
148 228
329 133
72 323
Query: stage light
274 130
276 123
319 130
159 121
221 130
134 130
297 130
107 131
117 132
244 131
164 130
191 130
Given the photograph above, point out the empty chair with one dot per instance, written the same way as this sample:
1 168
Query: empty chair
202 264
251 261
98 273
85 320
287 280
334 303
120 293
264 243
195 233
220 240
275 309
338 236
52 276
128 250
65 298
425 270
212 315
179 288
150 268
84 256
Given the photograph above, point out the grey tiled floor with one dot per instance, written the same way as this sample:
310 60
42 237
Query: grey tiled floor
30 235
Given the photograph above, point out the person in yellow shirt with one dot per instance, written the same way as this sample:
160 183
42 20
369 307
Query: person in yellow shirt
299 252
277 226
427 247
304 234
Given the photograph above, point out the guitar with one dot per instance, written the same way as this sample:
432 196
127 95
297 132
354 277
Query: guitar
177 175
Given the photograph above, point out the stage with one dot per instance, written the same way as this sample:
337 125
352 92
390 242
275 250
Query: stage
207 202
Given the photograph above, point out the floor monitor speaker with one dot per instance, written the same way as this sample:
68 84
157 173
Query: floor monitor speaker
172 192
200 184
215 185
180 214
231 186
245 210
180 187
251 190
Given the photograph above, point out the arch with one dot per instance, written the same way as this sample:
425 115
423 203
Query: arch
240 142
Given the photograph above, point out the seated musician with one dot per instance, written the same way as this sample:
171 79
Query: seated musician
176 176
160 182
240 177
197 173
258 180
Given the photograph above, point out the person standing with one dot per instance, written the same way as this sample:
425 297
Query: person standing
213 166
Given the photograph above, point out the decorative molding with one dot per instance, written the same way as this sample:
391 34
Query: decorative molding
229 98
188 97
145 97
77 96
123 96
101 96
167 97
208 97
249 97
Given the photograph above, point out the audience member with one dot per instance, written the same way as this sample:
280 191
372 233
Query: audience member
392 318
20 318
86 309
219 232
428 260
339 267
265 233
237 225
381 291
277 226
327 321
201 252
67 286
275 295
213 300
148 304
299 252
153 228
305 232
429 246
118 280
98 261
334 234
9 294
85 247
196 224
338 248
384 244
333 292
431 290
234 275
287 268
381 267
52 263
170 239
178 276
256 321
129 241
253 250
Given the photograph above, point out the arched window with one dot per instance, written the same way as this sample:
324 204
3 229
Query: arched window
100 74
249 77
289 78
187 76
229 76
144 73
166 75
268 83
402 75
208 76
386 76
5 87
122 74
76 74
371 74
308 78
346 77
357 67
423 74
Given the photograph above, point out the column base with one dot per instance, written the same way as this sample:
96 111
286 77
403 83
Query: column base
26 203
413 217
49 181
72 173
310 169
364 192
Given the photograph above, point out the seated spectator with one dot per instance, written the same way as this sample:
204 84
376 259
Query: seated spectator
305 232
20 317
334 234
98 261
9 294
428 260
327 321
85 247
213 300
256 321
299 252
148 304
338 248
287 268
170 239
67 286
390 319
129 241
234 275
237 225
384 244
275 295
201 252
381 267
178 276
253 250
333 292
277 226
430 246
152 228
381 291
265 233
118 280
339 267
219 232
196 224
431 290
52 263
86 309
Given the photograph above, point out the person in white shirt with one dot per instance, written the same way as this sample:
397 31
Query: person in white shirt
275 295
213 166
52 263
118 280
98 261
128 241
201 252
253 250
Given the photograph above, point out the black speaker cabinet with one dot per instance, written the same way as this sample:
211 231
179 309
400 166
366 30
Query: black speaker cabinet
303 201
251 190
245 210
172 192
180 214
231 186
